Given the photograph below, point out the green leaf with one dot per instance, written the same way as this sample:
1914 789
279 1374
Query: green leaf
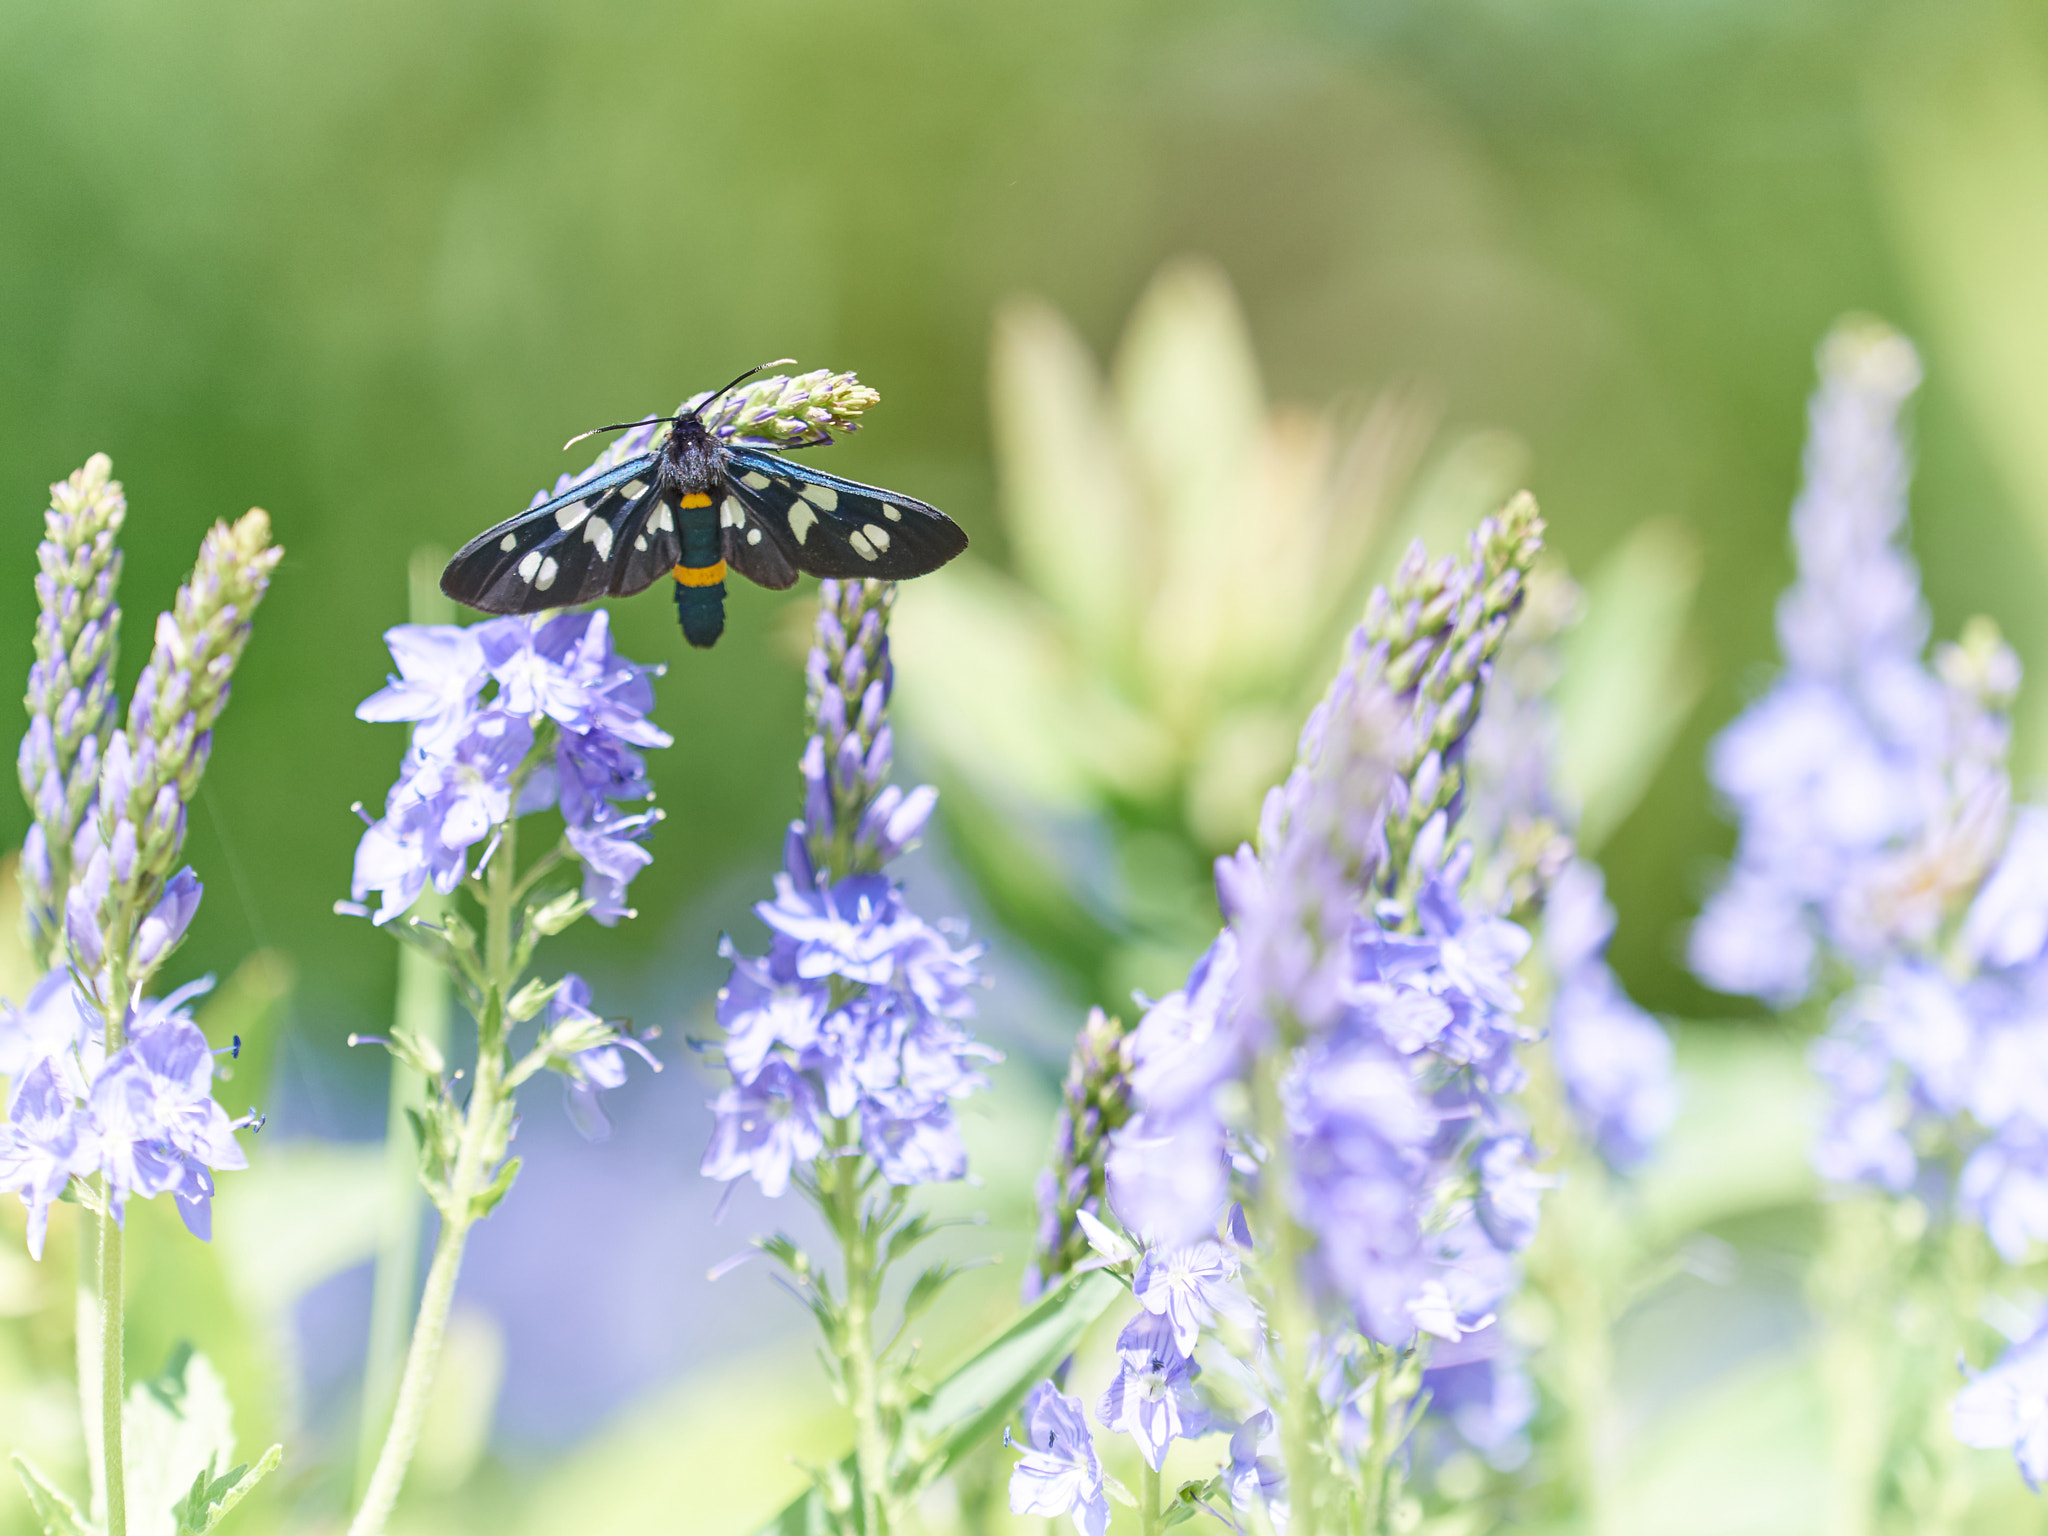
1629 679
966 1407
59 1516
209 1501
486 1201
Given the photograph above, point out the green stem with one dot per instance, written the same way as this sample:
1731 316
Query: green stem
422 1012
1854 1291
1149 1523
86 1330
112 1292
475 1159
870 1443
111 1389
1291 1318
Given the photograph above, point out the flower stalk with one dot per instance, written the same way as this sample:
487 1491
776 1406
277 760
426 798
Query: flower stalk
561 729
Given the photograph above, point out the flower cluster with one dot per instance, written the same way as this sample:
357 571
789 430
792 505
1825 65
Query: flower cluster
1340 1059
1879 854
780 412
104 1081
1869 790
1095 1104
561 726
850 1025
71 700
144 1118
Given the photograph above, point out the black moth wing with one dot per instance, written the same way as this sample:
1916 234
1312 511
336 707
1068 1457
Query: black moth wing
611 536
759 548
833 527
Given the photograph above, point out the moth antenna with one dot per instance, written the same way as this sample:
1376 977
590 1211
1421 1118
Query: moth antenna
775 362
617 426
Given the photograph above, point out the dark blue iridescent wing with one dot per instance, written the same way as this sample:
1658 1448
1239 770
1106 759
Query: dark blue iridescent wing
829 526
609 536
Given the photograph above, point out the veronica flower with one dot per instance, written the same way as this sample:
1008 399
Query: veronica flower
1360 958
1153 1398
1058 1474
143 1118
853 1015
511 717
2006 1408
1858 751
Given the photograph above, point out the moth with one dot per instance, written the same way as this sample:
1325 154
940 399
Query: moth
694 507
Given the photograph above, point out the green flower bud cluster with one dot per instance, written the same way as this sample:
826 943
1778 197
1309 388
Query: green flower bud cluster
153 765
184 687
1095 1102
70 697
786 411
1441 624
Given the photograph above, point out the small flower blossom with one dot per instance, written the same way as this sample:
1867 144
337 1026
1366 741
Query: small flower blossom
143 1118
2006 1408
1153 1398
1192 1287
587 1074
1058 1474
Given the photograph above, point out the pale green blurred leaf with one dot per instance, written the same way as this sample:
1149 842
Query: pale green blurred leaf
1629 680
1187 382
59 1516
1074 519
1746 1123
1747 1454
971 1403
983 677
178 1427
305 1210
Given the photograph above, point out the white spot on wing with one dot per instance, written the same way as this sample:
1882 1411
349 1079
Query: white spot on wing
529 565
800 519
731 514
546 578
599 532
756 479
572 514
753 535
894 514
860 544
509 543
639 541
661 522
877 534
633 489
823 497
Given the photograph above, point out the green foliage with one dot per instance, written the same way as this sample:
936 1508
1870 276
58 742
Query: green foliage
973 1400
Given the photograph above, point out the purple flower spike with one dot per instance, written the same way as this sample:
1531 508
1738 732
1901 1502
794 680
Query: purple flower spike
1058 1473
855 1011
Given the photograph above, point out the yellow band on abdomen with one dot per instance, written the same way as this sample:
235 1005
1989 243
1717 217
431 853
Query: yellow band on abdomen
694 499
701 575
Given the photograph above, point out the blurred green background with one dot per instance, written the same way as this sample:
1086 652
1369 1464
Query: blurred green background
366 263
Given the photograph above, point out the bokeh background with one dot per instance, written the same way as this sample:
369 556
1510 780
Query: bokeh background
366 263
